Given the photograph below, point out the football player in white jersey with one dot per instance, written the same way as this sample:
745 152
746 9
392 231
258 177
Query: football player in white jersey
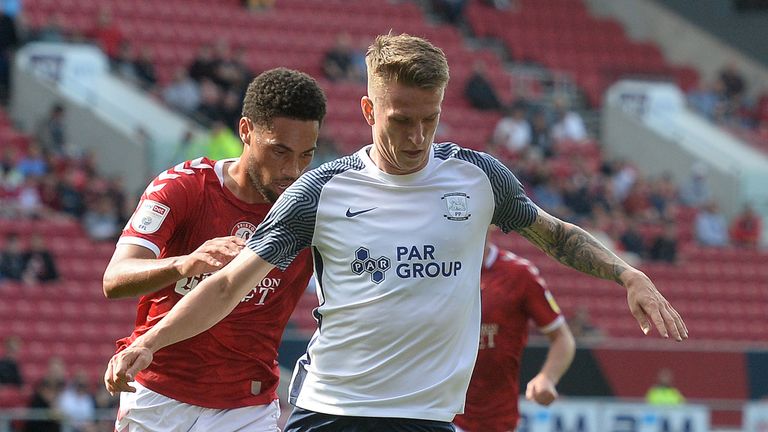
397 232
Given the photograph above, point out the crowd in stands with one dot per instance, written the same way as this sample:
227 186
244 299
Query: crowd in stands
563 170
33 264
725 101
54 178
64 400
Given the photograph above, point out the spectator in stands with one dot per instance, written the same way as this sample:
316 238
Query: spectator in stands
450 11
223 143
664 246
44 399
630 238
12 258
29 203
115 191
70 192
56 374
209 109
39 258
709 100
696 192
568 125
8 161
232 72
541 134
52 131
637 203
10 370
9 41
734 84
144 65
33 163
746 228
480 92
103 402
49 193
124 63
513 293
203 67
711 226
663 391
623 179
339 61
107 34
664 196
577 198
548 195
183 93
188 148
512 134
77 404
231 103
102 221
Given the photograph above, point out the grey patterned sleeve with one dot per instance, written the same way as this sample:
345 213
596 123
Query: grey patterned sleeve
289 225
514 210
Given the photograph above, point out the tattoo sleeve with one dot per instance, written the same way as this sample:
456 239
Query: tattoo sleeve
574 247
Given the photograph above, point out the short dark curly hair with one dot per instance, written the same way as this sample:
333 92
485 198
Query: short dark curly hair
286 93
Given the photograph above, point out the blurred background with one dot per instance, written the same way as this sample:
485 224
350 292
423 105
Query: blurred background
644 121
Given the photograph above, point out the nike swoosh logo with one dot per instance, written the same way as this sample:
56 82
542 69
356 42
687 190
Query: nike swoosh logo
350 213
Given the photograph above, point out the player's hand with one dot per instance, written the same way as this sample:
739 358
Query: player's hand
541 390
123 367
211 256
648 306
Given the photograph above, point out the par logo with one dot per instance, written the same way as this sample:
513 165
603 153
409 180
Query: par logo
365 263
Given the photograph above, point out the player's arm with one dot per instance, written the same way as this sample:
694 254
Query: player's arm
212 300
134 270
541 389
576 248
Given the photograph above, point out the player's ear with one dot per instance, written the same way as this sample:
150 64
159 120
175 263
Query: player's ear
367 106
244 130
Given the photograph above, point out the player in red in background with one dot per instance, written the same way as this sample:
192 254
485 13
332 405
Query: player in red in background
192 220
513 292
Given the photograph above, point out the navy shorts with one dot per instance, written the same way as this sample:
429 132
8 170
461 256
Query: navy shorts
302 420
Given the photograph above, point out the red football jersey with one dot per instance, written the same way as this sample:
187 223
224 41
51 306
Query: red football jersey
512 293
234 363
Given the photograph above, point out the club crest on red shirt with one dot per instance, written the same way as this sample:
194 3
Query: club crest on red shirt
244 230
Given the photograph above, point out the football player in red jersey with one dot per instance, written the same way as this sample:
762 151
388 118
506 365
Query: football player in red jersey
513 292
191 221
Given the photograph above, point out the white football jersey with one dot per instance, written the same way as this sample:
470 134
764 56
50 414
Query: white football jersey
397 260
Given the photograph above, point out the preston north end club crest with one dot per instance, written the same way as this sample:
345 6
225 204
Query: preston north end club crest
457 206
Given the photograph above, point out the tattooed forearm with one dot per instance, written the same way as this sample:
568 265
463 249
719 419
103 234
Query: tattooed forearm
574 247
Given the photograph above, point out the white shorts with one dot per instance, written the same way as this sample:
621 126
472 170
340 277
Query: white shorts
147 411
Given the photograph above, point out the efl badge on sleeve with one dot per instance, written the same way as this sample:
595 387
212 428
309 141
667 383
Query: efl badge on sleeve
149 217
457 204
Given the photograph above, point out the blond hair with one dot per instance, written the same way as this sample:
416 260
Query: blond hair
408 60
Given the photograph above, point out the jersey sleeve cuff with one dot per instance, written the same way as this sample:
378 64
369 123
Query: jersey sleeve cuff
140 242
554 325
